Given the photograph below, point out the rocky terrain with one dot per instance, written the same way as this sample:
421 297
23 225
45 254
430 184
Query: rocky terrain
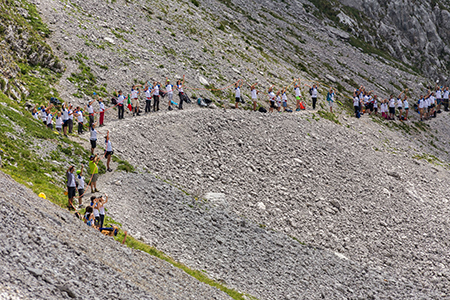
306 205
360 190
46 253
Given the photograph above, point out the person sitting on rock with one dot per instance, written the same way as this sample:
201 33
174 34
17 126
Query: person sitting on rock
89 216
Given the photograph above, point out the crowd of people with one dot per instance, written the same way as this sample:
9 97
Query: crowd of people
428 106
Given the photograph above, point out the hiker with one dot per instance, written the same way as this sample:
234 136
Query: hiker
237 92
93 137
297 94
94 205
70 121
44 115
356 103
445 98
180 86
108 151
284 99
120 108
65 118
406 106
438 94
90 110
400 106
71 185
169 91
254 93
89 216
391 107
50 120
80 119
330 99
148 98
156 88
80 178
93 168
101 209
101 105
135 92
313 93
278 101
271 99
375 104
58 122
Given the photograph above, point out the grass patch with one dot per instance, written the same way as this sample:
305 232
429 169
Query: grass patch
329 116
123 164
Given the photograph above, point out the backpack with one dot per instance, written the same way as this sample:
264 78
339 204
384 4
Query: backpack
302 107
358 114
207 101
310 91
262 110
113 101
186 98
201 102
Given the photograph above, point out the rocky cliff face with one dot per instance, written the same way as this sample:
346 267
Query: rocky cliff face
417 32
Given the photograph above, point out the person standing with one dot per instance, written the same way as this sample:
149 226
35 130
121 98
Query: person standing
58 122
314 95
93 137
392 108
237 90
101 208
80 119
271 99
101 105
169 91
90 110
148 98
80 178
156 88
330 99
71 185
356 103
65 119
284 99
297 95
135 100
44 115
254 93
50 120
120 108
93 168
108 151
70 122
180 86
445 98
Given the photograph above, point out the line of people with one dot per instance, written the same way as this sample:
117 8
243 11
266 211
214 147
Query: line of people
398 107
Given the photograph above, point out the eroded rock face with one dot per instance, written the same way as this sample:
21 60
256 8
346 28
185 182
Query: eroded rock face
416 32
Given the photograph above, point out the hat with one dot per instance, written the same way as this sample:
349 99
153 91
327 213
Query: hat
78 171
91 157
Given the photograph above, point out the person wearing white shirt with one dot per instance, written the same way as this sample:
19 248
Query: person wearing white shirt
314 93
44 114
356 102
237 93
156 88
80 184
120 104
438 98
406 106
101 106
93 137
284 99
50 120
135 92
70 122
297 94
65 118
254 93
148 98
445 98
80 119
278 100
90 110
180 85
392 107
400 107
271 99
169 91
108 152
58 122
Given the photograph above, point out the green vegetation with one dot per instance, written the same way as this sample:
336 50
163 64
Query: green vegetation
329 116
85 80
195 2
123 165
